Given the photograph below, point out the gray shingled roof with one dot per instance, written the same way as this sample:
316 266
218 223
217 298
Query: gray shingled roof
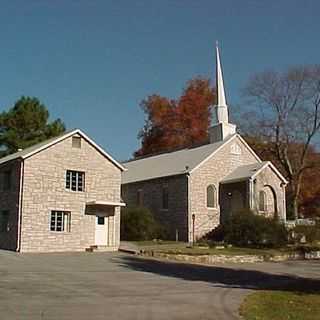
168 164
244 172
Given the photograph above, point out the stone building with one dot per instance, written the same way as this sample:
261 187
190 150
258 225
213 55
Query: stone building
192 190
60 195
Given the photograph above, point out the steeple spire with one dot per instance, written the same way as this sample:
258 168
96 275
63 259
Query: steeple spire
221 107
221 96
221 128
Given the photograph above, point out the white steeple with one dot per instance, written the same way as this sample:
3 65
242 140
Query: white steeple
221 107
221 127
219 80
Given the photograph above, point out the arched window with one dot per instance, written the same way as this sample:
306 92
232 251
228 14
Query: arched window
262 201
211 196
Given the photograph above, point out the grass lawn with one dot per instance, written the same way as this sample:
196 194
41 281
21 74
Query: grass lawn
281 305
172 247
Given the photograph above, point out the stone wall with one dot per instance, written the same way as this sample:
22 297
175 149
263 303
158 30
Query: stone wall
9 200
175 217
45 190
228 158
267 180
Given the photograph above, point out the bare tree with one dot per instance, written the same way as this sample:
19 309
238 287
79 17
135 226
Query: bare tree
287 114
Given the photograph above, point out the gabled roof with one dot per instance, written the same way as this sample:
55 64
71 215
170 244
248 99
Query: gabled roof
244 172
28 152
251 171
172 163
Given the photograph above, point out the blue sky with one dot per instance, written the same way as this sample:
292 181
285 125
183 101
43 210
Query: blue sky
92 62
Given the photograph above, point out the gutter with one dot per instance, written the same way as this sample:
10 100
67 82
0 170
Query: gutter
20 206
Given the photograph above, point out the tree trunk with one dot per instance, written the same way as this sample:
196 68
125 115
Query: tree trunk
295 207
296 193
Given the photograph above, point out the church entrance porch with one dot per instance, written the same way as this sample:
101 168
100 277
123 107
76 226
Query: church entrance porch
234 197
257 187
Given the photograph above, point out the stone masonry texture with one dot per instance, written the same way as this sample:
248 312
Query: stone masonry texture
44 190
211 172
188 194
176 216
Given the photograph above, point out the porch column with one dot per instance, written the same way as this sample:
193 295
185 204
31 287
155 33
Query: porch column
250 194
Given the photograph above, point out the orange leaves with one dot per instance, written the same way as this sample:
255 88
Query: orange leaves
173 124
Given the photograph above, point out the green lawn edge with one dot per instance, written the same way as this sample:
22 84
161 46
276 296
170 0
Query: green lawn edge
280 305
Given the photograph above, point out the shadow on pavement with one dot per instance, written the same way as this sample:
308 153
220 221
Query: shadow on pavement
221 276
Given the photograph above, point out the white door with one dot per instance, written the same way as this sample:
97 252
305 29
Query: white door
101 238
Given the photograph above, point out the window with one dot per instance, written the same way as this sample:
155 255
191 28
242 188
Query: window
211 196
4 221
75 180
100 220
262 201
6 175
140 198
60 221
165 197
76 142
235 149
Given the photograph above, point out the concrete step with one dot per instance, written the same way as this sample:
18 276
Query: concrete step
94 248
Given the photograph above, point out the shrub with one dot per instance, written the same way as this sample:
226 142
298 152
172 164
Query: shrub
139 224
312 233
246 228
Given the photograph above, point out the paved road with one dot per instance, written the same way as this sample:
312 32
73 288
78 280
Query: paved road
117 286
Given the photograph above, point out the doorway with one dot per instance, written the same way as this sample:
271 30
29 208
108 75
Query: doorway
101 235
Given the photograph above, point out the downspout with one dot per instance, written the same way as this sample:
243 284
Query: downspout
190 236
20 205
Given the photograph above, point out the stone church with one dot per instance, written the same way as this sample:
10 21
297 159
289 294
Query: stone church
192 190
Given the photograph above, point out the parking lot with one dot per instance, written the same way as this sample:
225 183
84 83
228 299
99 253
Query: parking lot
118 286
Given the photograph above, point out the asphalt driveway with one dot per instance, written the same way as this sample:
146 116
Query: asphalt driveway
117 286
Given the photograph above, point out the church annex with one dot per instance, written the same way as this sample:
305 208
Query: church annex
192 190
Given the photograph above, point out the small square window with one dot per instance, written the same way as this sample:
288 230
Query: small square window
101 220
76 142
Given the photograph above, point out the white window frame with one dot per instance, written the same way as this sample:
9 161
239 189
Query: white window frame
65 221
215 194
262 192
69 178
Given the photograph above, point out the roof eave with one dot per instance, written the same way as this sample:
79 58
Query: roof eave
69 134
235 180
158 177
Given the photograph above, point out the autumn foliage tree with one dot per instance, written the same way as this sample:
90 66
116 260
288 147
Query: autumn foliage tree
172 124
